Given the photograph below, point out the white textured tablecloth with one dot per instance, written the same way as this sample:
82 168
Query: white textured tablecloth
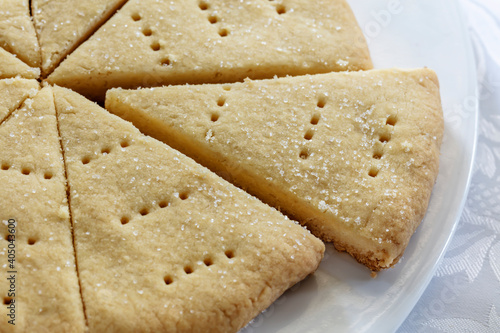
464 294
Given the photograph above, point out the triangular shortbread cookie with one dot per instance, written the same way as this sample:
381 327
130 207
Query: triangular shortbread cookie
39 284
10 66
63 24
17 33
159 42
162 243
13 92
353 156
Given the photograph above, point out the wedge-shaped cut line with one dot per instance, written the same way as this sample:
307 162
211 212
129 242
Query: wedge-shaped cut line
10 67
13 92
155 43
162 243
326 148
47 294
60 29
17 33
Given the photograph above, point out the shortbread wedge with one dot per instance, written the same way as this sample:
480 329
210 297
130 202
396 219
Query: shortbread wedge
160 42
163 244
13 92
39 284
10 66
353 156
17 33
62 25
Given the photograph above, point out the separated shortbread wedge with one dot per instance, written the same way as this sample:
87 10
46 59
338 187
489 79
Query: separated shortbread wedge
159 42
39 283
62 25
13 92
11 66
17 33
353 156
162 243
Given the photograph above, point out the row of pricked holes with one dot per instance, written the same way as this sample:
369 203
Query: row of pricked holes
304 153
188 269
105 151
162 204
223 32
383 138
26 171
221 101
155 45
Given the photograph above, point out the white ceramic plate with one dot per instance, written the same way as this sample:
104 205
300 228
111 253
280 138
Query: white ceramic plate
341 296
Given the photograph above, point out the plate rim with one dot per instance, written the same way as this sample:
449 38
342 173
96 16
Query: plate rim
465 35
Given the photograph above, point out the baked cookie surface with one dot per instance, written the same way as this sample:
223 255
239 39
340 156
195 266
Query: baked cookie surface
10 66
13 92
162 243
353 156
17 33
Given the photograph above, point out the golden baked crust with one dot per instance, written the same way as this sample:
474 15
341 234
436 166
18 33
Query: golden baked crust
162 243
17 33
13 92
33 193
353 156
61 30
152 43
10 67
